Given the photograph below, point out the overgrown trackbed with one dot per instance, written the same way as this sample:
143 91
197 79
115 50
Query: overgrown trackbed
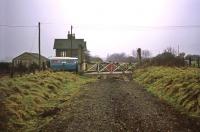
117 105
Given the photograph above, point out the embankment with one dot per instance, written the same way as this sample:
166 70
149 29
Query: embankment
179 86
28 102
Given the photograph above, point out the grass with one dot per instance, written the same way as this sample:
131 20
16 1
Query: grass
24 99
179 86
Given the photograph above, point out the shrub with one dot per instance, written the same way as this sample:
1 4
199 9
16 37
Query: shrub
4 67
168 59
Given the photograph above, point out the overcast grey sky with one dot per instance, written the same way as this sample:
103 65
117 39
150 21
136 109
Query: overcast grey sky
108 26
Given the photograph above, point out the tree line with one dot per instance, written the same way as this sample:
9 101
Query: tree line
169 57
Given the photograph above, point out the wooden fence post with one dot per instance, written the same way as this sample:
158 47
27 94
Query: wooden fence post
12 69
139 55
190 61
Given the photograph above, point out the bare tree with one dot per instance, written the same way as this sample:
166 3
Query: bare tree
182 54
170 50
96 59
130 59
134 53
120 57
146 54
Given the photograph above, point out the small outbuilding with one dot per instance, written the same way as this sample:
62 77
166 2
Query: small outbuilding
28 58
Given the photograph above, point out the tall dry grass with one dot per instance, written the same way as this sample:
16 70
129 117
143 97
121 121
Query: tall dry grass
180 86
24 99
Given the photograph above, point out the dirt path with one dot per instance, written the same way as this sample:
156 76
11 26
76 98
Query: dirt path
116 105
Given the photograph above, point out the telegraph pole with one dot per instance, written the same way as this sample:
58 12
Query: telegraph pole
178 49
71 40
39 46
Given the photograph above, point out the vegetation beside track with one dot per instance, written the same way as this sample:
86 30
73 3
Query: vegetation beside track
32 100
179 86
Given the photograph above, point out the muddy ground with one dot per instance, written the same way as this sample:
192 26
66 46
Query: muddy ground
119 105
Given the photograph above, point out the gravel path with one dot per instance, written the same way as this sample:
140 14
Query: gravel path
119 106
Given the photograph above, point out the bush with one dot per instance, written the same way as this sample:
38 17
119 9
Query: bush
4 67
168 59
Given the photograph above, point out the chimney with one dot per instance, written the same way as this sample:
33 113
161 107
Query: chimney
71 36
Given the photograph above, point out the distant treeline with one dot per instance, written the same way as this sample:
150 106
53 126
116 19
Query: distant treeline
121 57
169 57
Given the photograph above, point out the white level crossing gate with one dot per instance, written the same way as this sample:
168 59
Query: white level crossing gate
109 68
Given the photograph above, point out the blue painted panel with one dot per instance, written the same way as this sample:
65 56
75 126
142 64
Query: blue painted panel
70 67
64 64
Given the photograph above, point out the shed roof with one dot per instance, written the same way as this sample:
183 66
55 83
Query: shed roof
66 44
35 55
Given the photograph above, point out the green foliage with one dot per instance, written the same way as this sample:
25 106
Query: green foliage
179 86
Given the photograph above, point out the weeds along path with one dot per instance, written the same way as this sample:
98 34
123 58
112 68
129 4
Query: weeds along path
116 105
